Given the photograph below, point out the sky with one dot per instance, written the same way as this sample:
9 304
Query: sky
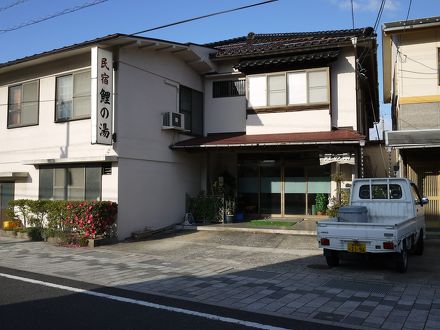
130 16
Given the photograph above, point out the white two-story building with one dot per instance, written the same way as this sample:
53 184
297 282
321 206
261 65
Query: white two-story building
147 122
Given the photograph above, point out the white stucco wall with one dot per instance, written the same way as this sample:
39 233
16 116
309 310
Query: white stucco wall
47 140
224 114
153 179
343 91
288 122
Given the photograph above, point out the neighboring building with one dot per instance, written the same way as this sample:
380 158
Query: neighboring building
283 110
99 120
411 74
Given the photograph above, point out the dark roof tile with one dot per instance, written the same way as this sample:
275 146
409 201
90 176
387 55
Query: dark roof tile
255 44
241 139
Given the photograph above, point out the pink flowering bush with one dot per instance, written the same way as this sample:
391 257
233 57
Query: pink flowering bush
91 218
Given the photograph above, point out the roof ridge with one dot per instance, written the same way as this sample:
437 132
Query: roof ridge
365 31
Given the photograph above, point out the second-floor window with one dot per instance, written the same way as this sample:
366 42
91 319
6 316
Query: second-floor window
23 104
191 105
305 87
73 96
228 88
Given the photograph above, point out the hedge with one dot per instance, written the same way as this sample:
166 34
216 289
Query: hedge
86 218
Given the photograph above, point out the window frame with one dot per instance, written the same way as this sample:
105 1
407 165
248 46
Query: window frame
190 112
287 105
65 187
242 89
66 74
9 126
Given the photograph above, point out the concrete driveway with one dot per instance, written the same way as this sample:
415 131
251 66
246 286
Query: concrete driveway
276 274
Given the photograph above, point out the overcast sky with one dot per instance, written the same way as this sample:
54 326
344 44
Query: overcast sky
129 16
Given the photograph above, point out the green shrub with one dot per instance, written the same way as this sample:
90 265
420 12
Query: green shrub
35 233
86 218
206 208
333 210
321 202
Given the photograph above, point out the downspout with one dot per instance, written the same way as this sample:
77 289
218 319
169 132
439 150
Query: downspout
354 41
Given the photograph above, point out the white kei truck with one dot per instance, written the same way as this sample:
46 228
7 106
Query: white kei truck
385 215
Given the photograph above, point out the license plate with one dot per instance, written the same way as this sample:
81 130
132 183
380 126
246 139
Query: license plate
356 247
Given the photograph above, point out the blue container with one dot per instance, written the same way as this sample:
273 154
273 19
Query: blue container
239 217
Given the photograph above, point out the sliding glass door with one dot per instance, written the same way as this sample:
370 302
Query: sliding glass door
6 195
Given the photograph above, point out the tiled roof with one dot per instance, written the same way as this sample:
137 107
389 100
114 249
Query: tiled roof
219 140
327 55
253 44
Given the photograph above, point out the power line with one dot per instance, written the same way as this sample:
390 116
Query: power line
379 14
57 14
13 4
203 16
352 14
415 61
409 8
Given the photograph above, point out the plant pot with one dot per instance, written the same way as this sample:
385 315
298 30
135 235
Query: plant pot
229 218
239 217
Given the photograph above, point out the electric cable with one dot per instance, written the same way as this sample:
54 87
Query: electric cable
203 16
55 15
13 4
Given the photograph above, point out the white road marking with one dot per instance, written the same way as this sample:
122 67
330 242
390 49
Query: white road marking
145 303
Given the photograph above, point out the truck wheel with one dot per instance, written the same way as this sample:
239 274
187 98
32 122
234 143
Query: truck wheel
420 245
332 260
402 261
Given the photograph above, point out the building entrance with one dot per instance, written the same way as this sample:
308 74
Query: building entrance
278 186
6 194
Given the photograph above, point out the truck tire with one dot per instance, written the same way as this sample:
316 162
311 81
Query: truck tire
420 245
402 260
332 260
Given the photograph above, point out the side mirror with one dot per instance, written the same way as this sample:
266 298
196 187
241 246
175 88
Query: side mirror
424 201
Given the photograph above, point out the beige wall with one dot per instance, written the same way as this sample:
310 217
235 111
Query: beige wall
417 63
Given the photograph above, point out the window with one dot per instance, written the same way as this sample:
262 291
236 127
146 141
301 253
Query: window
23 104
73 96
70 183
288 88
380 191
191 105
228 88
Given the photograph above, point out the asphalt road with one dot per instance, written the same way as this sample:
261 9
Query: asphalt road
39 305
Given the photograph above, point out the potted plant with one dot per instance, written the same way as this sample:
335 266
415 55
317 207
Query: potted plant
321 203
229 210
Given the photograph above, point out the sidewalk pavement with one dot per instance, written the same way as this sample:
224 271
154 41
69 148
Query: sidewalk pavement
283 275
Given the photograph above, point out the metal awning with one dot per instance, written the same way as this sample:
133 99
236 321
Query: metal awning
55 161
239 140
413 138
13 176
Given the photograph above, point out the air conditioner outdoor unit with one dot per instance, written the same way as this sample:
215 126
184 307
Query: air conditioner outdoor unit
173 120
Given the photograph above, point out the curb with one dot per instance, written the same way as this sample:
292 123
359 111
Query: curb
248 230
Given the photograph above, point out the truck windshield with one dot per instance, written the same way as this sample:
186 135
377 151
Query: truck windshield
380 191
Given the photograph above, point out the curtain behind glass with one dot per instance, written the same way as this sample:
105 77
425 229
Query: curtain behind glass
64 97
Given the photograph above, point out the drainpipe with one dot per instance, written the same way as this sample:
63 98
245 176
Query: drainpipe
354 41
